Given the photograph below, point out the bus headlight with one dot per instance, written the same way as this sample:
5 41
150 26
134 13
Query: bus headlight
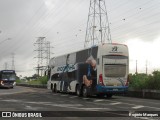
14 84
2 83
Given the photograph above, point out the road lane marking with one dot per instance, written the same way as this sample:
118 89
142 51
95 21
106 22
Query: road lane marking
64 95
138 107
67 105
74 97
32 108
55 94
11 100
116 103
99 100
85 98
94 109
39 102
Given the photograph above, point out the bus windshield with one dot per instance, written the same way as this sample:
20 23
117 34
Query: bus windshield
8 76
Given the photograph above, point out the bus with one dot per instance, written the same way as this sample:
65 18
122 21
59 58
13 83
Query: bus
100 70
7 78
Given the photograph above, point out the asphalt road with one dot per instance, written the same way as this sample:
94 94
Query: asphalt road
25 100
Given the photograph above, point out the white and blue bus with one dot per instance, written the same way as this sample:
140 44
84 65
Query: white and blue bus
75 73
7 78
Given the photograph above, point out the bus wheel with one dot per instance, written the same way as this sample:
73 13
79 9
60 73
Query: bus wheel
55 88
52 88
85 92
78 91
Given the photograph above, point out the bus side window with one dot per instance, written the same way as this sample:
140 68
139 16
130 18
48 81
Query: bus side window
72 75
55 76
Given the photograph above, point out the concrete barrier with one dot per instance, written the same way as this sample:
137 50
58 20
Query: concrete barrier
146 93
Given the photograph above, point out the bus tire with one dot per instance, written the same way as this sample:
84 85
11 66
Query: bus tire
52 88
78 91
85 91
55 88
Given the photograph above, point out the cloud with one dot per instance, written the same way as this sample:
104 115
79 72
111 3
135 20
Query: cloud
50 4
146 53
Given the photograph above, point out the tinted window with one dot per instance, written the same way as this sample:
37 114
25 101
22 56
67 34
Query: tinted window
115 70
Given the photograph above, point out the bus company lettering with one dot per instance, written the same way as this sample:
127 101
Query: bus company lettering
66 68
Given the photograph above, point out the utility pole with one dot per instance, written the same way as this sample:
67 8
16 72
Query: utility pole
13 66
98 30
146 67
136 67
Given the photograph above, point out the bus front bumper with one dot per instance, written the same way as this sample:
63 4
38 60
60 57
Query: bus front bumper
7 84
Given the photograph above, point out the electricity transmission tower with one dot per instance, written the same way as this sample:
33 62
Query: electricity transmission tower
40 43
48 46
97 31
6 66
43 50
13 66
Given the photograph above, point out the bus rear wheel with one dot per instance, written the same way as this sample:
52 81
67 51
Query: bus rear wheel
78 91
54 89
85 91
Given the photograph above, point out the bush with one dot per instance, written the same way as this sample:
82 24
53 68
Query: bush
143 81
18 81
137 81
43 80
153 81
39 81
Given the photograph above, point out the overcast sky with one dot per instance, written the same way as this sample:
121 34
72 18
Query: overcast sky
63 23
